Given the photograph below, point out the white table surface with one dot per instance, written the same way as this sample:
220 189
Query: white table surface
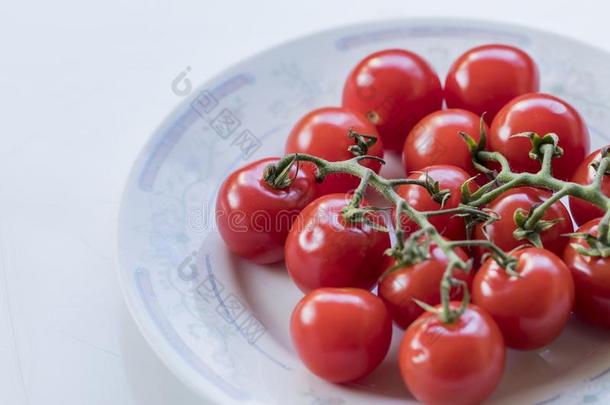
81 88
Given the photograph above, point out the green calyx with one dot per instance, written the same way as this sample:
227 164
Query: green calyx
537 151
278 175
596 246
531 234
434 189
415 249
605 153
362 143
476 147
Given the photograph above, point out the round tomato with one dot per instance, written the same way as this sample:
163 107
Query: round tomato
459 363
395 89
591 279
436 140
420 281
540 113
324 133
253 218
450 178
485 78
325 250
532 308
584 211
501 231
341 334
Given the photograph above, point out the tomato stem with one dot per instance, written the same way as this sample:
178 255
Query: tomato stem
545 149
506 180
362 143
386 188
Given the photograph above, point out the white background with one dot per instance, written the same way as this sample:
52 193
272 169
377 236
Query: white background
81 88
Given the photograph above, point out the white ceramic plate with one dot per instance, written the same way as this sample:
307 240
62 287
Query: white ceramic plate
219 322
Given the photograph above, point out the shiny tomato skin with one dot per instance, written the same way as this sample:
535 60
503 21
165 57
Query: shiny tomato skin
253 218
583 211
421 281
533 308
435 139
540 113
485 78
324 133
450 178
395 88
324 250
501 231
591 279
341 334
460 363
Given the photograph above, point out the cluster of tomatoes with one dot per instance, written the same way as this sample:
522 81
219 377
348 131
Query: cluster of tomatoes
393 101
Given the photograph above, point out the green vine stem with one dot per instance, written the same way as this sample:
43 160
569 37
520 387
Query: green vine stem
544 149
385 187
508 179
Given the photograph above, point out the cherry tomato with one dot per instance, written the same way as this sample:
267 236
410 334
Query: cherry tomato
421 281
591 279
341 334
324 133
254 218
485 78
395 88
501 232
532 308
460 363
435 140
541 113
450 178
581 210
325 250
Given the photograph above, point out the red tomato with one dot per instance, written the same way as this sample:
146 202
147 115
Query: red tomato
460 363
395 89
485 78
581 210
501 231
254 218
541 113
324 133
341 334
591 279
325 250
533 308
435 140
450 178
421 281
